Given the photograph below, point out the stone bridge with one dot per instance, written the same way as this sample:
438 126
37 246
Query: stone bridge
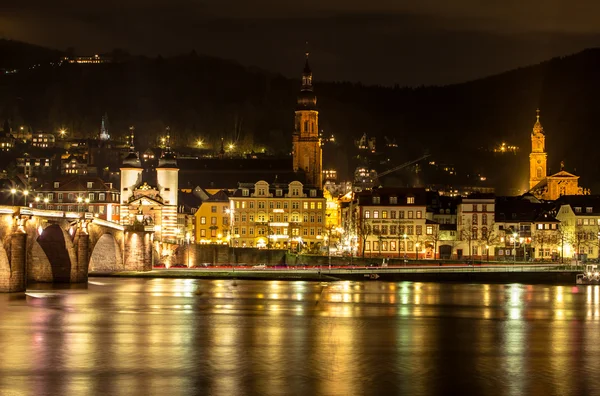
54 246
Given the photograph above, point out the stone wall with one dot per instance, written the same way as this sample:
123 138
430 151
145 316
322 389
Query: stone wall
138 251
206 255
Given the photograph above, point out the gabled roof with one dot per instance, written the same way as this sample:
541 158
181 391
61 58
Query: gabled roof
76 183
563 175
220 196
583 202
142 197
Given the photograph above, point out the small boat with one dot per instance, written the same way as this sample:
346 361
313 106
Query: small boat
591 276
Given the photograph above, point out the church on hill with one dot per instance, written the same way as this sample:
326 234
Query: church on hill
541 185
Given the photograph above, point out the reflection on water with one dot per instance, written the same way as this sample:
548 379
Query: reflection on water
187 337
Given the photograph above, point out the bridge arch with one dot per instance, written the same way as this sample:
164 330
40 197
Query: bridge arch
106 254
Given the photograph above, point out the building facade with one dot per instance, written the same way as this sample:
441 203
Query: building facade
475 226
393 222
212 219
278 215
306 144
79 194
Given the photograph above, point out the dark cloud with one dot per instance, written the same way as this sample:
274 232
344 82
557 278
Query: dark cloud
385 42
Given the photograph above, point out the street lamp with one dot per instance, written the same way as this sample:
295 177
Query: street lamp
404 248
515 247
25 194
46 203
37 202
13 191
79 200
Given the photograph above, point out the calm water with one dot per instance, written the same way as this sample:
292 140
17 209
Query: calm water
194 337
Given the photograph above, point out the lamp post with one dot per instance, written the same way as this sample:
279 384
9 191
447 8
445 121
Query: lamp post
46 203
79 200
417 250
514 247
487 250
13 191
404 236
25 194
37 202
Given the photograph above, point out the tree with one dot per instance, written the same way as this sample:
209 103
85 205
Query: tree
364 230
544 238
434 238
489 239
468 234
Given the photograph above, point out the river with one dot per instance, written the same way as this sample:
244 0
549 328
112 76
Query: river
198 337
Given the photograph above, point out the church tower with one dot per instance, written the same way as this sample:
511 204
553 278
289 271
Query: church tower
131 177
306 150
167 177
537 158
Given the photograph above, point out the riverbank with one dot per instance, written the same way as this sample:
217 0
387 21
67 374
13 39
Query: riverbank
504 275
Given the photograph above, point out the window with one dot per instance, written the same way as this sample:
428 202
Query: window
367 245
251 230
305 205
410 200
251 217
410 214
384 214
376 229
474 233
394 200
313 193
278 192
475 208
243 230
367 214
376 200
271 204
401 214
393 229
243 204
419 229
312 217
319 205
213 220
429 230
419 214
484 232
243 217
484 208
261 204
251 204
577 209
51 196
319 219
474 219
375 214
225 221
579 221
409 230
384 230
393 245
375 245
588 210
409 246
392 214
202 233
213 233
285 205
213 209
102 197
278 204
90 184
56 184
245 192
384 245
295 205
484 219
203 220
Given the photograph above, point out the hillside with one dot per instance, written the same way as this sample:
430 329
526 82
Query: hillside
208 98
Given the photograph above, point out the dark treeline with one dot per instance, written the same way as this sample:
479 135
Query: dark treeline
206 98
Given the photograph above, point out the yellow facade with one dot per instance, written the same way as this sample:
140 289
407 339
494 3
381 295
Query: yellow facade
212 222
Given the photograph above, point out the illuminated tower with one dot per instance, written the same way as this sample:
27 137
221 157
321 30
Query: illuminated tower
104 128
306 145
168 188
537 158
131 177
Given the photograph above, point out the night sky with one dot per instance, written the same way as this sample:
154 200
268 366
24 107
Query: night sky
381 41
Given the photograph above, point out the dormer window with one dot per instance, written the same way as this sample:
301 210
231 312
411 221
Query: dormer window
90 184
245 192
313 193
394 200
376 200
410 200
56 184
279 192
577 209
588 210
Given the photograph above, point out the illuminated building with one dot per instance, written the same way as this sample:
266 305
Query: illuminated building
94 59
277 215
306 146
43 140
580 224
475 218
34 166
543 186
213 219
78 194
393 222
146 205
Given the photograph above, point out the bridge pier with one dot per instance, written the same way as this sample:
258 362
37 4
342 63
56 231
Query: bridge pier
14 278
138 251
79 272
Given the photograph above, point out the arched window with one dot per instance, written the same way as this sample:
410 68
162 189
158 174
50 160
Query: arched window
538 172
484 232
474 233
474 219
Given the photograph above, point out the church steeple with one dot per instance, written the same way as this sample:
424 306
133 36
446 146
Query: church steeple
167 159
538 156
307 154
132 159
